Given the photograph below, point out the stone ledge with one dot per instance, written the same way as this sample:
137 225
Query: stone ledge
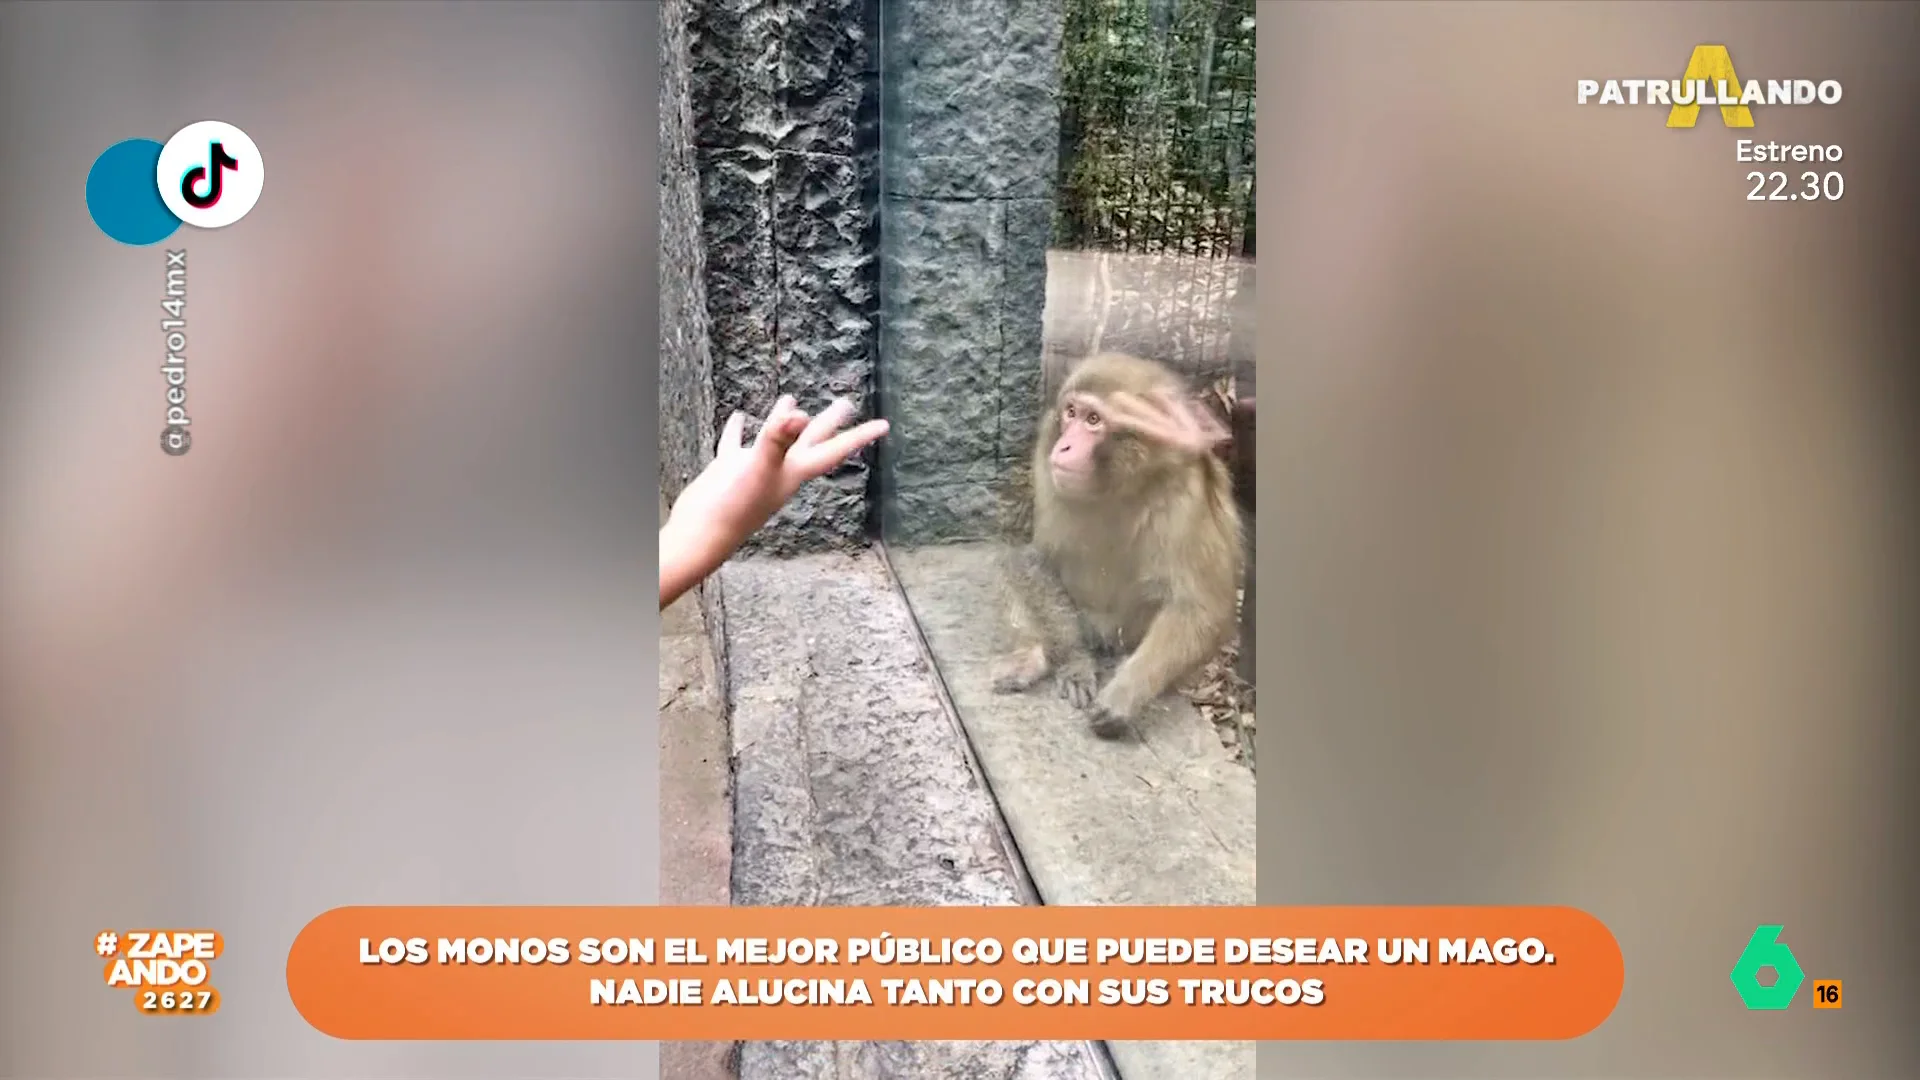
1166 819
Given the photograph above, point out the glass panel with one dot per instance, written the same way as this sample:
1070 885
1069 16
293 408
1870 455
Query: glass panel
1061 180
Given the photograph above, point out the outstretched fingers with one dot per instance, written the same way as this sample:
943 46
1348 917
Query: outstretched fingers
819 450
730 435
1166 419
807 443
782 428
830 420
846 444
1133 413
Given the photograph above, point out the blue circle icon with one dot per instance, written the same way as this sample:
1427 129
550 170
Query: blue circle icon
123 198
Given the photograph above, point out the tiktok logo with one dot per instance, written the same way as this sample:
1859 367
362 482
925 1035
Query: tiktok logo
210 174
221 162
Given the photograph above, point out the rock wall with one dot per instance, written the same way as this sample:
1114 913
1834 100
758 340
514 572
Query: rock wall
687 407
784 102
686 364
773 162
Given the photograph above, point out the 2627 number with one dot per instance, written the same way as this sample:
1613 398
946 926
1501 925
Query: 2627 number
183 1001
1828 186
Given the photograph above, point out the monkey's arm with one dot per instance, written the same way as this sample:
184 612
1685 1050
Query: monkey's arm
1170 421
1045 631
1181 638
1043 606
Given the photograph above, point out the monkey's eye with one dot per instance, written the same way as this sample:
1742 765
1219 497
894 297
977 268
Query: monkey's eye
1070 412
1093 419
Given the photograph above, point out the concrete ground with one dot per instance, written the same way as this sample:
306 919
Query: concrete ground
696 802
1162 818
862 774
854 786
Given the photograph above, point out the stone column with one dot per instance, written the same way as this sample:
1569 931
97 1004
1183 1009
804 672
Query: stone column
686 360
783 102
970 142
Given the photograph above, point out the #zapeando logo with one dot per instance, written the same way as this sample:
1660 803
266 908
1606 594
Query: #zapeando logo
208 175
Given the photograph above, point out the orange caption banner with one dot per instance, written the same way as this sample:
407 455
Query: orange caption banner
1496 973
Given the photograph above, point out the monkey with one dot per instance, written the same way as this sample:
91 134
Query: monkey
1238 452
1136 543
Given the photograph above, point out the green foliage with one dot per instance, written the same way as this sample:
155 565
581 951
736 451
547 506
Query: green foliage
1157 116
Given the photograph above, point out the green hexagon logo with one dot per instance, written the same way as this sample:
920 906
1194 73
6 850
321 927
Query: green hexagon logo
1765 950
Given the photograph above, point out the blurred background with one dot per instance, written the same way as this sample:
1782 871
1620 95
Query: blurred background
1587 560
1589 585
382 635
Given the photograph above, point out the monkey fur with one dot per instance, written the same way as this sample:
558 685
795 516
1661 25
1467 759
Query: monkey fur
1140 553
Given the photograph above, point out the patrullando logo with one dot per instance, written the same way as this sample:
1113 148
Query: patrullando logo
208 175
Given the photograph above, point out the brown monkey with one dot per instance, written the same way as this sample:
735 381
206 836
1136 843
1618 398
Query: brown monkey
1239 453
1136 543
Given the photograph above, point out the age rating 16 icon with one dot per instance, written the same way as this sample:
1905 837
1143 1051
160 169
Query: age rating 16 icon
208 175
1765 950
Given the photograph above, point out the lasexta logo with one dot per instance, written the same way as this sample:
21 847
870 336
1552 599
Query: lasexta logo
1766 950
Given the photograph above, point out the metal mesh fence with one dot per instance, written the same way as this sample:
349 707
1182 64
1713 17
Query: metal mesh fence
1157 116
1155 197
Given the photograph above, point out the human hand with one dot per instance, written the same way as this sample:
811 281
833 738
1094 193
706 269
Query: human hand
745 485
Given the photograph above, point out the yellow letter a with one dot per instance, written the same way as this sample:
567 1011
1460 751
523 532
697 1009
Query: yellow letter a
1712 64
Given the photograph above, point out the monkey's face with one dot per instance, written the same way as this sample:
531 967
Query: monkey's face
1078 453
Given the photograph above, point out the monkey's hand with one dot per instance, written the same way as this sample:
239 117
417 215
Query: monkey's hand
1168 419
1076 679
1117 705
1106 723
